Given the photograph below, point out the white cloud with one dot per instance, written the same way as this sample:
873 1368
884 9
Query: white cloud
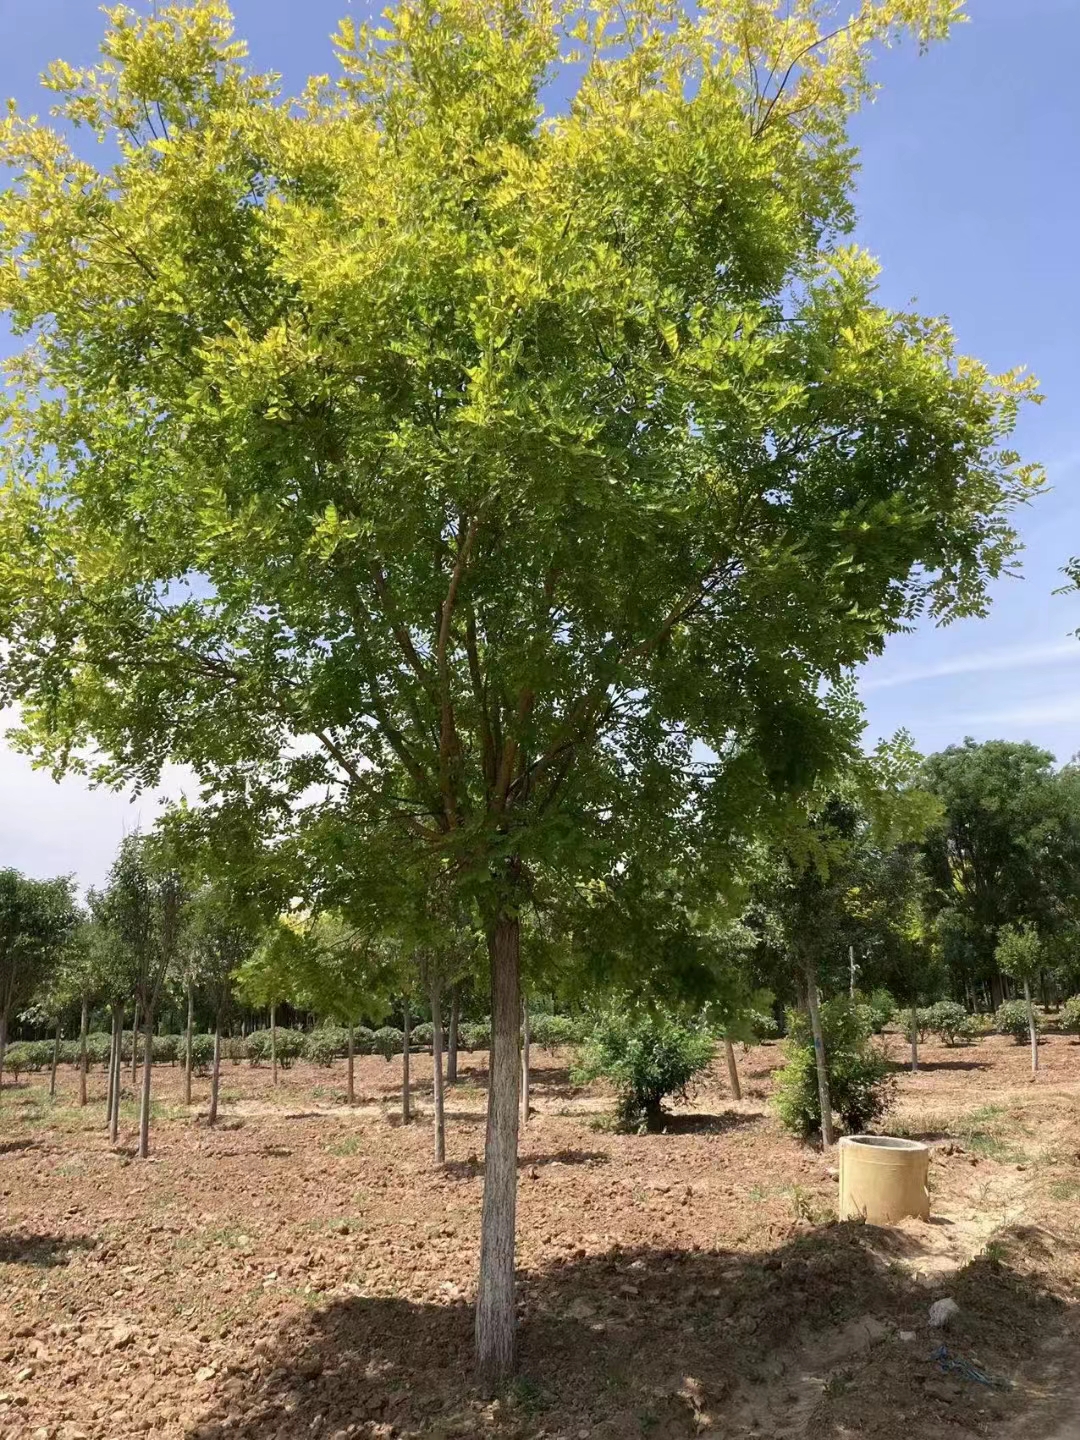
977 663
1036 713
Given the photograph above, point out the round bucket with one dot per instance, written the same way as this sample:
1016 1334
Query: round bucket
883 1179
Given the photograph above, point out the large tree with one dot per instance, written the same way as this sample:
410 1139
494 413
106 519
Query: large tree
501 474
1006 852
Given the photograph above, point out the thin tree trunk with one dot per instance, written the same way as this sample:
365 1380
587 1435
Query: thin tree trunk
406 1106
216 1076
148 1068
350 1094
851 964
188 1042
451 1050
1031 1030
914 1039
824 1099
118 1070
732 1069
84 1026
55 1062
135 1043
495 1310
112 1072
3 1050
437 1073
273 1043
526 1038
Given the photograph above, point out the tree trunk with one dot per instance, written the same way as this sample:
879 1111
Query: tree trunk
526 1038
135 1043
273 1044
732 1069
112 1072
84 1026
851 964
3 1050
914 1022
437 1073
350 1093
1031 1030
187 1042
495 1309
216 1076
824 1099
451 1049
55 1062
118 1070
406 1106
147 1071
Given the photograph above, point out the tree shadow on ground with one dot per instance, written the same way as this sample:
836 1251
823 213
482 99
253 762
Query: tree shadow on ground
708 1124
901 1067
7 1147
40 1250
469 1169
802 1339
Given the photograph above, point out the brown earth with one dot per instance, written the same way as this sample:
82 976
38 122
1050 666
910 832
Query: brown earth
306 1271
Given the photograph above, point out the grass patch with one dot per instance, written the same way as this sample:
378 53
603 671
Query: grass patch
347 1145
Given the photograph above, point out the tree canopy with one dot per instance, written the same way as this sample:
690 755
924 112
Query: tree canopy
518 482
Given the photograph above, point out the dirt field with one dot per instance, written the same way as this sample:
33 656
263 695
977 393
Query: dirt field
306 1271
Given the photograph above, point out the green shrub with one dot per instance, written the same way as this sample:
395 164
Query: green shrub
69 1052
860 1080
233 1047
646 1057
387 1041
763 1025
98 1048
883 1008
1069 1019
554 1032
474 1035
323 1046
202 1052
1011 1018
949 1020
422 1037
289 1043
364 1040
17 1058
166 1049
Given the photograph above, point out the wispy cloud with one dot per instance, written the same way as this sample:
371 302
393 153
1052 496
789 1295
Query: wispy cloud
1035 713
979 662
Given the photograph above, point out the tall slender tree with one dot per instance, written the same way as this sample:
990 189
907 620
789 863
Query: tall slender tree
473 468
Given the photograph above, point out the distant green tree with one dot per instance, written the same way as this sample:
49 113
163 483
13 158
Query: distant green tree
37 922
1019 953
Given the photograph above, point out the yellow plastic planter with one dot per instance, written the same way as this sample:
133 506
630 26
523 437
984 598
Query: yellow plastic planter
883 1179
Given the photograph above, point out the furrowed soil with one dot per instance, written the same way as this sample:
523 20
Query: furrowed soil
305 1270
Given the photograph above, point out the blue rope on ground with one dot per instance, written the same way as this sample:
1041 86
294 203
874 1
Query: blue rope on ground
959 1366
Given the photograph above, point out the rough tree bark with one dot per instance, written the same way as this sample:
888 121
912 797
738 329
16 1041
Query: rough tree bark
148 1069
215 1078
55 1061
273 1043
914 1022
406 1105
438 1095
452 1043
495 1291
824 1098
732 1069
187 1042
84 1026
526 1039
1031 1029
351 1085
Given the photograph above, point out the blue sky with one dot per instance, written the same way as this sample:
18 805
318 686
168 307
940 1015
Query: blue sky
967 196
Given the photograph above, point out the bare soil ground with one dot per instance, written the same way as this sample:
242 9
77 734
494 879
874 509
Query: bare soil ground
306 1271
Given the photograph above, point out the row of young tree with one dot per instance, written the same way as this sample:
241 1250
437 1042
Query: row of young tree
485 503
